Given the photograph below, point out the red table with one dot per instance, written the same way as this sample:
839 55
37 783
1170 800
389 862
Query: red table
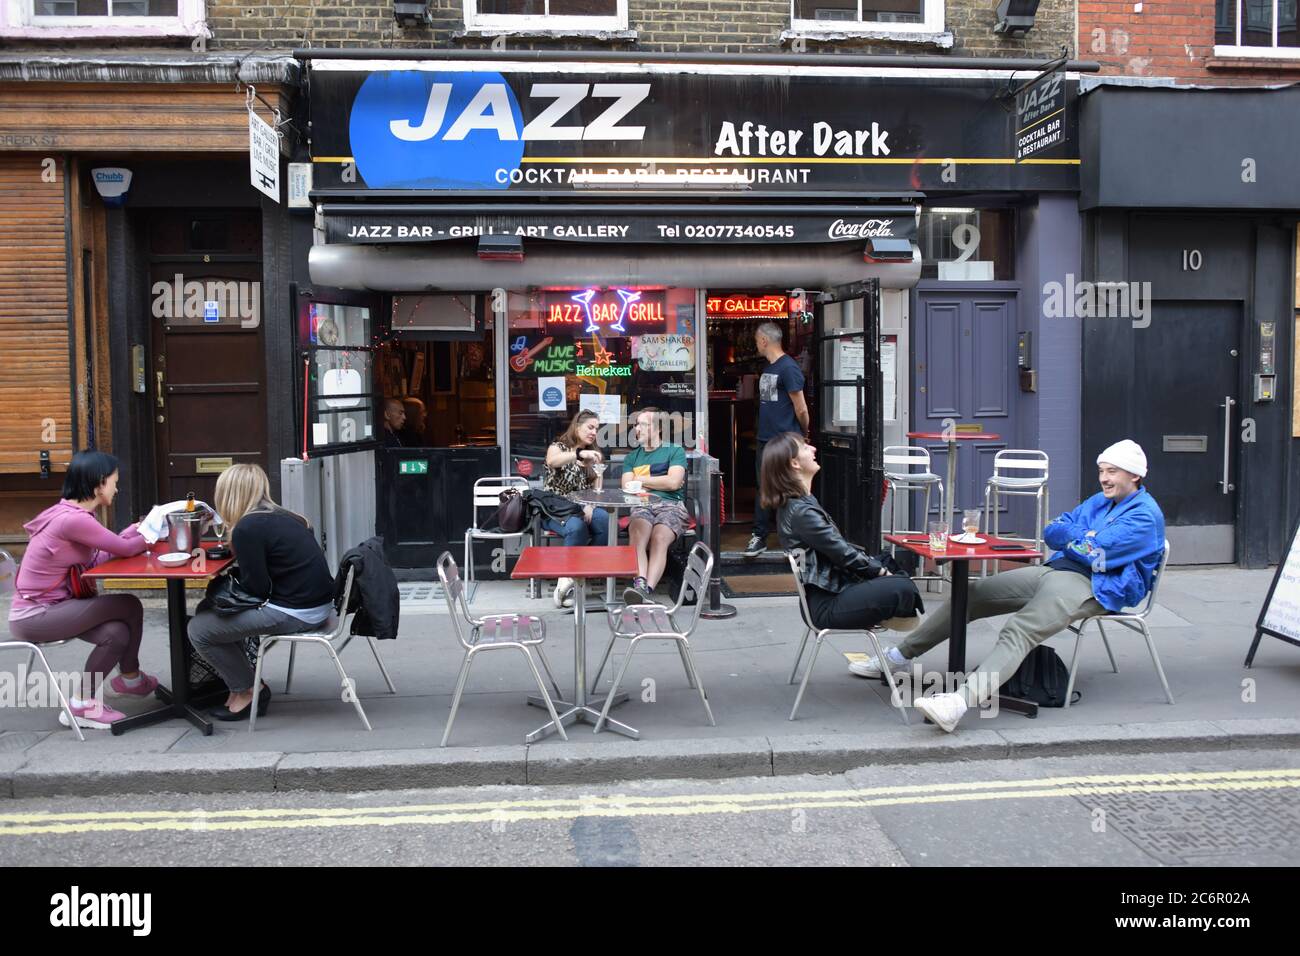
961 556
618 561
951 436
176 700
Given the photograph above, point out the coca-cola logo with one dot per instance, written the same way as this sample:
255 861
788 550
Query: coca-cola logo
867 229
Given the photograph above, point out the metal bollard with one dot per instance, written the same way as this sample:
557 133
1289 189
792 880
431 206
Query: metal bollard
716 610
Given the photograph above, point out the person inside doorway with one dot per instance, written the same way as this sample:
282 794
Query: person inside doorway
657 470
45 608
280 563
846 588
412 432
1108 549
781 408
390 433
570 467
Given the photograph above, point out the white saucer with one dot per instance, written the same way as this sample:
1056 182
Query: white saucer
173 559
967 539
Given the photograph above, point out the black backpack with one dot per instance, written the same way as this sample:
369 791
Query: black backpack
1042 678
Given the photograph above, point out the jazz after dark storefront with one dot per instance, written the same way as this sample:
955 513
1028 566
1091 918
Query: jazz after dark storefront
504 244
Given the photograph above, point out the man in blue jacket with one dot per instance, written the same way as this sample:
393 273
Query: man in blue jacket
1108 549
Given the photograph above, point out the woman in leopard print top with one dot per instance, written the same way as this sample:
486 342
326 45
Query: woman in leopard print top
568 471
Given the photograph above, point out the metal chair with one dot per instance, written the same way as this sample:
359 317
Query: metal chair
635 623
8 575
487 494
1001 482
796 558
899 460
333 640
492 632
1133 620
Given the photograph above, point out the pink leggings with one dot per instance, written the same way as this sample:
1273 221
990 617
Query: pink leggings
114 623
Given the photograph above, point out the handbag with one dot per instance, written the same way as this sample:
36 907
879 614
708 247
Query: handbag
512 514
225 595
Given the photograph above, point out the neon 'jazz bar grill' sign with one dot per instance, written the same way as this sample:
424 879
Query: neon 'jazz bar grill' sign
612 310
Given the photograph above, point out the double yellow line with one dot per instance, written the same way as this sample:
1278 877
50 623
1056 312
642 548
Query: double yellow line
631 806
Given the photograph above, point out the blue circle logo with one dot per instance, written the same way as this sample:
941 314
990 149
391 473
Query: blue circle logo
552 397
400 119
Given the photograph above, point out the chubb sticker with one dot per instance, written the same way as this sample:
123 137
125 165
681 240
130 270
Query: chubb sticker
415 129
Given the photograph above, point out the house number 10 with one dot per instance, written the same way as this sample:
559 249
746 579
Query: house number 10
1191 260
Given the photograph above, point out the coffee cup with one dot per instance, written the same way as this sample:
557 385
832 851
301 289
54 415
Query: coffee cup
633 487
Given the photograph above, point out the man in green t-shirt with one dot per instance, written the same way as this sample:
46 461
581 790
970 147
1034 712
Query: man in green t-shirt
656 524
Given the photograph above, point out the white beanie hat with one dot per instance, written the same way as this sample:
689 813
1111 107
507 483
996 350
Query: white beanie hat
1126 454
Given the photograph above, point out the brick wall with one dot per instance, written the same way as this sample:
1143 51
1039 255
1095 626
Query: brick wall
723 26
1173 38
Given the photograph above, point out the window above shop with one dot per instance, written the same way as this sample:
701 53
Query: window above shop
906 19
546 16
67 19
960 244
1256 29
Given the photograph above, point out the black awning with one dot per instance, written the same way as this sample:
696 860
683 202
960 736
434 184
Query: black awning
620 223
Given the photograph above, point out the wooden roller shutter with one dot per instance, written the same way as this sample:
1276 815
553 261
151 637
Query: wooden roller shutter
35 376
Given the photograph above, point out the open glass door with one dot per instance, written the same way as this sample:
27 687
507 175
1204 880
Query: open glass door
847 424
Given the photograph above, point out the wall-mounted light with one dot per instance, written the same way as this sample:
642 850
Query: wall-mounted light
409 14
888 250
1015 17
501 248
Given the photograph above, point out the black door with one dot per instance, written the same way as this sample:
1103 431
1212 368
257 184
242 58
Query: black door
1189 424
847 409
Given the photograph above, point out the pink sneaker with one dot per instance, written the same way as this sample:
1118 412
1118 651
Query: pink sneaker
93 715
146 686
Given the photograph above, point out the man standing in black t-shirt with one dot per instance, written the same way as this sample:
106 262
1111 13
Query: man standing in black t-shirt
781 408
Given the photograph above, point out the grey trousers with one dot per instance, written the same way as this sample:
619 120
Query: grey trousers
219 640
1041 602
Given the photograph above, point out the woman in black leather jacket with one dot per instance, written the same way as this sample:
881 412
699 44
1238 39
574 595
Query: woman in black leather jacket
846 588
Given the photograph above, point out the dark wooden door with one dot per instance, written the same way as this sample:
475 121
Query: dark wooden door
207 390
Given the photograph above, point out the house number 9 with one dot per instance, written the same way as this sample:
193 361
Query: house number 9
1191 260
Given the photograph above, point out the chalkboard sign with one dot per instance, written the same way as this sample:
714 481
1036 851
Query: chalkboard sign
1280 615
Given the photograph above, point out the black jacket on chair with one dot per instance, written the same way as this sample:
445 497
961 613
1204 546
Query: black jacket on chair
374 589
830 563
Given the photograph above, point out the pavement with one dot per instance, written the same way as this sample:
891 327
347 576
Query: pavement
312 739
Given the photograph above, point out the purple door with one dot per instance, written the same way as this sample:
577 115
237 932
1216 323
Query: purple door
965 372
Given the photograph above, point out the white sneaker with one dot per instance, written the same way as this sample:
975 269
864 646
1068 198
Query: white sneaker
870 668
944 710
563 592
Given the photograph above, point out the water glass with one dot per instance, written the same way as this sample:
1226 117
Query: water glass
938 536
970 521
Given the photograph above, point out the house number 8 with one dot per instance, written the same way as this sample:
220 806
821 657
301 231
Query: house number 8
1191 260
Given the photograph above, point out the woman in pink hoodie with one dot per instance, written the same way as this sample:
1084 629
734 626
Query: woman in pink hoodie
43 608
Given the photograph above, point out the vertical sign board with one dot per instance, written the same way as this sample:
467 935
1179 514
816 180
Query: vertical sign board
1280 615
1040 118
263 156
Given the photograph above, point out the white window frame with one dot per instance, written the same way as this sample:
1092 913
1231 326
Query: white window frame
933 22
542 22
1273 52
18 18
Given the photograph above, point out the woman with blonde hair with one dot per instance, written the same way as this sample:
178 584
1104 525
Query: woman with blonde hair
279 561
570 468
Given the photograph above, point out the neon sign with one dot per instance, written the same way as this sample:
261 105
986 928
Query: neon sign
746 305
608 311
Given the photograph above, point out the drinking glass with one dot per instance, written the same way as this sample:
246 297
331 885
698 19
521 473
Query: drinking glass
599 469
938 536
970 521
